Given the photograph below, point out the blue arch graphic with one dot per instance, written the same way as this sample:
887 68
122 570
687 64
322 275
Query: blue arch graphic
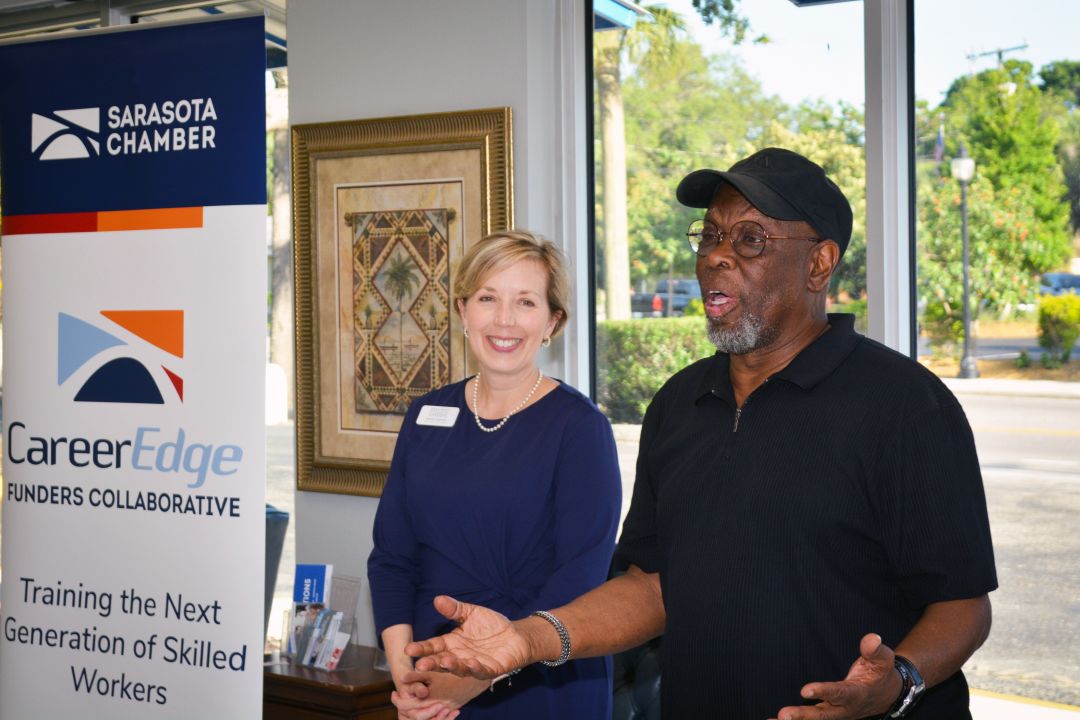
123 380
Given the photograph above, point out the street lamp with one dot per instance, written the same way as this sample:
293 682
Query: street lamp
963 169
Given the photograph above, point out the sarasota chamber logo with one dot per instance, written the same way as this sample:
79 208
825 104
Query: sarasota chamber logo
182 125
123 375
66 134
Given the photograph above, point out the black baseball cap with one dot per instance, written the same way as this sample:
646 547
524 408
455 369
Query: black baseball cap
783 185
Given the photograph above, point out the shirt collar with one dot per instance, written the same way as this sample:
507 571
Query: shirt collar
816 361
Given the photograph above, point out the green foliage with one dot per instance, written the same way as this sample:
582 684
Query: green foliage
1012 129
1063 79
1005 258
724 14
1059 325
1017 209
1069 157
694 308
688 113
649 44
636 357
1050 361
943 324
1023 360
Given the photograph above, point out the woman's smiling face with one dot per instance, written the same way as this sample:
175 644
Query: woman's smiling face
508 317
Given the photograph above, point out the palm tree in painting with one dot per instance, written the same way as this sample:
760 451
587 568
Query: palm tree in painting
400 277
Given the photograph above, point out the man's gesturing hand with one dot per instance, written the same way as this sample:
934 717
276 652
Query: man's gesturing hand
485 644
870 688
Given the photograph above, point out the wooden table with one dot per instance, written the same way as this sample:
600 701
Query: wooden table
354 690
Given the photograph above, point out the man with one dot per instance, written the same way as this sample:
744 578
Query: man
808 527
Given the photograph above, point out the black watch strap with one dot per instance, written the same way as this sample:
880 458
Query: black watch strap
911 688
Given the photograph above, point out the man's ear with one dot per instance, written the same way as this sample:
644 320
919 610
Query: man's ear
822 261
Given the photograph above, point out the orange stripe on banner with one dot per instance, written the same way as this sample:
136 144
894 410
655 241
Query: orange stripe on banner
51 223
157 219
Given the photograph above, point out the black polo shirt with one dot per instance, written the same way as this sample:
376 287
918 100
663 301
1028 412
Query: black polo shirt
843 498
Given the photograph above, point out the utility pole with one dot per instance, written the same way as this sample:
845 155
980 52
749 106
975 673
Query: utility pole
1000 52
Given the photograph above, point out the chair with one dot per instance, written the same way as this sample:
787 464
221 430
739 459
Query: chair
636 686
637 683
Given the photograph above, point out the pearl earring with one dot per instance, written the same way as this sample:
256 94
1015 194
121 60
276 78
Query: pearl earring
466 331
547 341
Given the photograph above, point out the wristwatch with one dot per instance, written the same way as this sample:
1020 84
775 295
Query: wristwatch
912 688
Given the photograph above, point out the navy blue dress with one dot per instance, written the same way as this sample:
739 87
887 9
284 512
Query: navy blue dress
517 520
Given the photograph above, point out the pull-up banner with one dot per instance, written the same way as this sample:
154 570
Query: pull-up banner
134 285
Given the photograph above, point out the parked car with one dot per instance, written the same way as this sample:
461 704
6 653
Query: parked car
1059 284
646 304
655 304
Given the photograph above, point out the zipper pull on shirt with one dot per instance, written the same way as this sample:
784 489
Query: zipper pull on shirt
738 411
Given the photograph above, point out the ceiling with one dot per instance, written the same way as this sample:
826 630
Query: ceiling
23 18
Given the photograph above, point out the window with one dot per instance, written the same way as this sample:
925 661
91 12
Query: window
1003 87
674 94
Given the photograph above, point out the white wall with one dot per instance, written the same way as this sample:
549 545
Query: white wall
373 58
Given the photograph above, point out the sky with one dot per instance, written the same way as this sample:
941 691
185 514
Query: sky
817 52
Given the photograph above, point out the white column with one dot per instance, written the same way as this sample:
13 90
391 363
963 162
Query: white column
888 246
552 165
571 193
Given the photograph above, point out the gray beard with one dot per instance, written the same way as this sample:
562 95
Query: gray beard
748 334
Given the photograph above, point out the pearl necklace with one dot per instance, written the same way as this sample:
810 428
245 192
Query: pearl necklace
476 404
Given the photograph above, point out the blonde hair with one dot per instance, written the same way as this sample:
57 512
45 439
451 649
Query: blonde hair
504 248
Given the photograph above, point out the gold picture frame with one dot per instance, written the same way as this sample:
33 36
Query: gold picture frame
382 210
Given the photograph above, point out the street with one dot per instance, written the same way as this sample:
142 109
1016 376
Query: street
1028 448
1030 453
994 348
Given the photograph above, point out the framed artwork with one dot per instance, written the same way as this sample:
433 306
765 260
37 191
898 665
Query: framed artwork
382 211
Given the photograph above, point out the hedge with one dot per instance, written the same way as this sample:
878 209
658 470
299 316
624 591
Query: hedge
1059 326
635 357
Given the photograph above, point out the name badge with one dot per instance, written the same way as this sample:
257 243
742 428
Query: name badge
437 416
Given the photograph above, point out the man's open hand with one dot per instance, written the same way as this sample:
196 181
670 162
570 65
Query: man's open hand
870 688
485 644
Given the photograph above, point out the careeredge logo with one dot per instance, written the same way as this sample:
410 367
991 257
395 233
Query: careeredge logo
164 451
139 128
65 134
122 379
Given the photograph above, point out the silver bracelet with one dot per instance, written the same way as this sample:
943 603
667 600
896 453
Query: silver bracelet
564 638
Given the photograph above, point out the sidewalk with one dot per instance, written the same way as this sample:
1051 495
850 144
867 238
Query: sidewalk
1025 388
994 706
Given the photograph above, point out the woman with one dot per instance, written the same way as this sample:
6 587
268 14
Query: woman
503 491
